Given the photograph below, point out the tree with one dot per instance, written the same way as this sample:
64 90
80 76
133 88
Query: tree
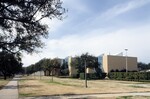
30 69
21 26
9 64
143 66
79 62
46 66
91 61
55 67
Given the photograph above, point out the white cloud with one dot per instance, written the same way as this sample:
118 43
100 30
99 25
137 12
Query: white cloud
136 40
97 41
122 8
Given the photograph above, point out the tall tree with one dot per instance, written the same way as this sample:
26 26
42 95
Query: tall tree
79 62
21 28
55 67
143 66
9 64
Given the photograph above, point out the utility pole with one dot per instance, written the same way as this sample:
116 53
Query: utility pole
40 74
85 75
126 61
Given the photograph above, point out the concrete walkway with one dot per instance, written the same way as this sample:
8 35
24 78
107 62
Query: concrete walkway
10 91
91 96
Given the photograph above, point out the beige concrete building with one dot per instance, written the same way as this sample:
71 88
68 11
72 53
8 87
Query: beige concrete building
108 63
72 69
111 62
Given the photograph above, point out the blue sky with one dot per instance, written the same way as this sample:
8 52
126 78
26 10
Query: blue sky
98 26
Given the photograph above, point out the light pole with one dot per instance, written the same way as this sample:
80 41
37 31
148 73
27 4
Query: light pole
126 60
85 75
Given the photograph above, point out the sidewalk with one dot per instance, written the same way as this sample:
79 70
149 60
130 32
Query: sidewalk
10 91
91 96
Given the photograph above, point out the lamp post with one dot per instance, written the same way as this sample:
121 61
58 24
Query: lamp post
85 75
126 60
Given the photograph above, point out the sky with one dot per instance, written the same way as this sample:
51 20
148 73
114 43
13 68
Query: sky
97 27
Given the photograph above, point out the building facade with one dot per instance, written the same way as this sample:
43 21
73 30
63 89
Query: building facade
72 69
110 63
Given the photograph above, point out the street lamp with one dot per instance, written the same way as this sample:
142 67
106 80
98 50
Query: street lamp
126 60
85 75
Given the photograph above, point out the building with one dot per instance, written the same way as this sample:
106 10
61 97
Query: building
117 62
72 69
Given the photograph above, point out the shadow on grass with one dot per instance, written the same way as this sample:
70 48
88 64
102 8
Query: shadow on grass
31 86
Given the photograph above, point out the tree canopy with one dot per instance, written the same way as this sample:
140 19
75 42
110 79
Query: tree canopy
9 64
21 28
79 62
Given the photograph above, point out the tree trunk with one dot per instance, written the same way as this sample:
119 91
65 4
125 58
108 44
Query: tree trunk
44 73
5 77
52 75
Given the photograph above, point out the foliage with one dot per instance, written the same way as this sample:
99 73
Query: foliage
132 76
64 69
10 64
45 65
92 76
79 62
21 23
22 29
143 66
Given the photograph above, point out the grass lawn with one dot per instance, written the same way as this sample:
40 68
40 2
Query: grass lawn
30 86
3 82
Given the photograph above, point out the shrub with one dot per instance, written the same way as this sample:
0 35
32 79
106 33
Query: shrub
74 76
82 76
93 76
131 76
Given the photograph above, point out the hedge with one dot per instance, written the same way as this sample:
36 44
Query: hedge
92 76
74 76
132 76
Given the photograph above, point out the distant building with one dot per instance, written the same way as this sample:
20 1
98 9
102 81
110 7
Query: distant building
117 62
72 69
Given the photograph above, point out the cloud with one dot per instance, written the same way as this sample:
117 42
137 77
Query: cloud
135 39
122 8
89 36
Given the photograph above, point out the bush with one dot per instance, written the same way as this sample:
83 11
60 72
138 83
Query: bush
103 75
92 76
131 76
82 76
74 76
